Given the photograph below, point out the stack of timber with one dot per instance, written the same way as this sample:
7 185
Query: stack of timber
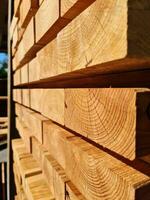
81 138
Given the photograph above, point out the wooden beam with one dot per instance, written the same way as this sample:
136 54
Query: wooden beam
13 26
17 77
87 165
17 95
28 9
24 71
72 192
34 70
30 117
28 167
35 99
26 97
38 151
25 134
117 119
71 9
79 47
16 8
37 188
55 177
83 79
52 104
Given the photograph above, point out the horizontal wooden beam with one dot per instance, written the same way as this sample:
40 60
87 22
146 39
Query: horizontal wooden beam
79 79
87 165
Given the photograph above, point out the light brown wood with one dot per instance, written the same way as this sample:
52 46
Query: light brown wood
117 119
16 8
25 134
19 151
29 118
47 60
45 30
72 192
34 70
17 77
20 30
28 167
52 104
70 9
3 119
55 176
20 53
40 2
79 47
28 37
37 189
88 166
35 99
38 151
28 9
18 184
26 97
25 74
15 40
13 26
17 95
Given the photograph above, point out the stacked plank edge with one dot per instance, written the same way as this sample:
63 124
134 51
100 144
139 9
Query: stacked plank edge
80 143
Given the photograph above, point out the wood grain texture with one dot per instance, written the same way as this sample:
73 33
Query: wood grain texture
49 11
37 188
114 118
30 117
24 74
17 78
35 99
28 37
13 26
17 95
28 167
55 176
34 69
47 60
52 104
16 177
126 37
15 41
70 9
38 151
26 97
19 150
28 9
25 134
92 170
27 48
72 193
58 16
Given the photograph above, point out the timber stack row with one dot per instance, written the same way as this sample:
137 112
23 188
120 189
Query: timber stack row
79 140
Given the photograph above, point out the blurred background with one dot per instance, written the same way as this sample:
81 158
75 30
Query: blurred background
3 98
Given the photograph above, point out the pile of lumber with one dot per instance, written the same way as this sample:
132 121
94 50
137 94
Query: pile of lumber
78 139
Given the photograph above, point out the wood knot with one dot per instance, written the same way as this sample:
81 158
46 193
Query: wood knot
66 105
